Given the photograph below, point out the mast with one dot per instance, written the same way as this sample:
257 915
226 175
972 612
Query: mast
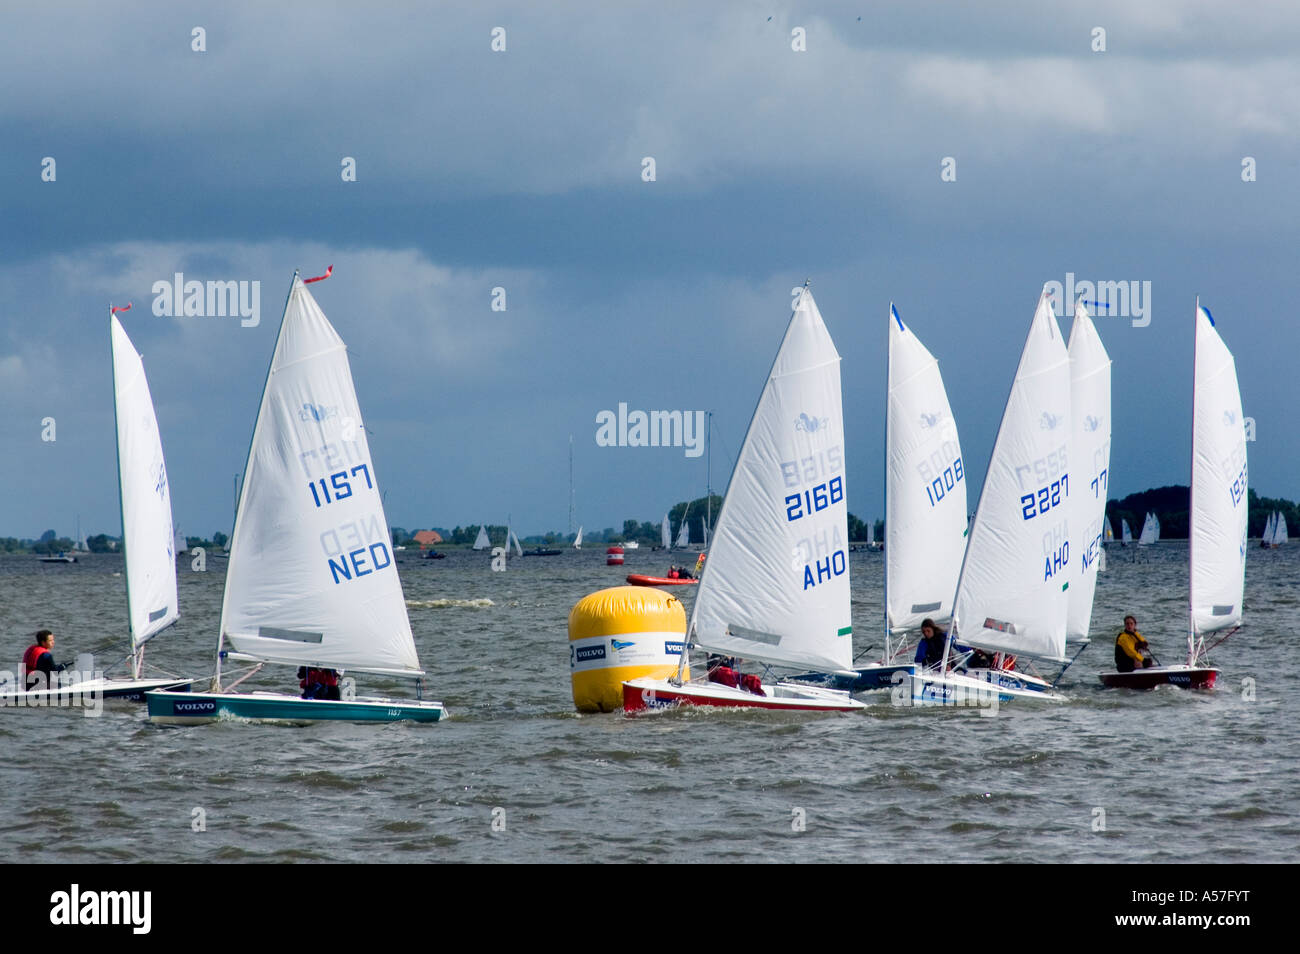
884 463
708 478
137 660
572 499
1191 497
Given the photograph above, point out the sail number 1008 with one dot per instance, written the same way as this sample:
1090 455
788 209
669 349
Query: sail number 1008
810 501
340 483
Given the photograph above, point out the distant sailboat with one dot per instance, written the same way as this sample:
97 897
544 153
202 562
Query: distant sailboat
684 534
1150 531
665 534
1110 531
1279 530
577 541
481 542
1127 534
1266 540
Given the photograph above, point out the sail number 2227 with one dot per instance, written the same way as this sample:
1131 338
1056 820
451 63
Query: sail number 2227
1045 498
340 483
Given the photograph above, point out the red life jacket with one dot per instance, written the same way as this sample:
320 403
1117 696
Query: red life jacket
32 656
325 677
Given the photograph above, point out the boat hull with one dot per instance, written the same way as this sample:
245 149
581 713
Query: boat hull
868 679
199 708
929 688
1187 677
77 694
642 695
641 579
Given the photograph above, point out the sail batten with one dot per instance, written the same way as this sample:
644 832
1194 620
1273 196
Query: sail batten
776 585
310 552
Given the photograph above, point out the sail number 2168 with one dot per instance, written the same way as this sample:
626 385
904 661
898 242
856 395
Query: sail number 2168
341 484
810 501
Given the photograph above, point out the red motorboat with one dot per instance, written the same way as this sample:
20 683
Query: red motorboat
640 579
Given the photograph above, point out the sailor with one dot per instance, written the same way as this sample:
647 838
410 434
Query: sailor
929 650
319 683
722 669
1131 649
38 661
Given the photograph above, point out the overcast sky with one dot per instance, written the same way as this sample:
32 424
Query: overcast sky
523 169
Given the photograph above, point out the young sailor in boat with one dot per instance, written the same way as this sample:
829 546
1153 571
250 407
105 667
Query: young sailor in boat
319 683
929 650
1131 650
725 670
38 661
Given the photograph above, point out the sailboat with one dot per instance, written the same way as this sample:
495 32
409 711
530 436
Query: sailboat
577 541
178 543
683 534
481 542
150 571
1150 531
1274 531
1127 534
1110 531
1012 589
776 585
311 581
665 534
1218 517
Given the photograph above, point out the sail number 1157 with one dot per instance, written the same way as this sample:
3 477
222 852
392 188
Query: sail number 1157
340 483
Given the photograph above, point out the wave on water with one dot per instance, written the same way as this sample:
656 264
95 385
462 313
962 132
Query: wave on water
449 603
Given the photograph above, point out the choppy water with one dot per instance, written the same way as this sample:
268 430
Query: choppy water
1180 776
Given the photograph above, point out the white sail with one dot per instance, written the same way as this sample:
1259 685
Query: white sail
871 533
1012 593
925 487
512 540
1150 530
481 542
577 541
1110 531
1269 524
1279 530
178 542
311 577
665 534
1124 529
1089 466
776 585
1219 480
684 533
146 497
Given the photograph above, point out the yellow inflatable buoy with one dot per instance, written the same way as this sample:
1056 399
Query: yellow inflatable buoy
625 632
